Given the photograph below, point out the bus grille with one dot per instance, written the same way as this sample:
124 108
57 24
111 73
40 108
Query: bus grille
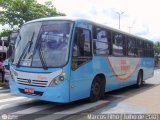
41 83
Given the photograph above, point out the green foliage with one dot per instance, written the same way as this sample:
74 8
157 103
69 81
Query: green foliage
5 33
157 48
17 12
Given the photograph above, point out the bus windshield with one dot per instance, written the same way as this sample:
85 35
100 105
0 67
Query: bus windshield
43 44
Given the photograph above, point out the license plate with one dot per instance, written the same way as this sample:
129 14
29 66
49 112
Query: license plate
29 90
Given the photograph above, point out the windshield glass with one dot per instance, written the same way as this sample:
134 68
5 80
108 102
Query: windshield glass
43 44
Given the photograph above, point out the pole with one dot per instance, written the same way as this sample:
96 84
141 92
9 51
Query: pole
130 28
119 16
3 45
119 21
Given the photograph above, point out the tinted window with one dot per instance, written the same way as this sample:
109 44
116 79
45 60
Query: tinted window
140 46
81 48
132 47
118 44
148 49
101 38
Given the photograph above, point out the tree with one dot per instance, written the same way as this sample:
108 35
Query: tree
4 34
17 12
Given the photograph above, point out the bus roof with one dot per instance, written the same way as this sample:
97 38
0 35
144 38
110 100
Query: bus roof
54 18
86 20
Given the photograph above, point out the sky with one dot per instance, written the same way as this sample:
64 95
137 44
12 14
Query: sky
140 17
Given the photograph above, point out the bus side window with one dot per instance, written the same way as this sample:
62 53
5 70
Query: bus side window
140 48
81 47
101 41
132 48
118 45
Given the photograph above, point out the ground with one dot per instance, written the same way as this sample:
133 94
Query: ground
124 101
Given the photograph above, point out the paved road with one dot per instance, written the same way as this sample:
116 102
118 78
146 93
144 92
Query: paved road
143 100
41 110
126 100
130 100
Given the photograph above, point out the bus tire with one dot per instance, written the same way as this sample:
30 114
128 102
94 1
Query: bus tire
139 79
96 90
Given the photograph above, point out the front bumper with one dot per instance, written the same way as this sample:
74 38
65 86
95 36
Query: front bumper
59 93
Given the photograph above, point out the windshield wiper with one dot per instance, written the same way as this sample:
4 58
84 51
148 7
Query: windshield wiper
42 58
28 45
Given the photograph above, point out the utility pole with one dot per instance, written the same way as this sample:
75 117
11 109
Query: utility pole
129 27
119 16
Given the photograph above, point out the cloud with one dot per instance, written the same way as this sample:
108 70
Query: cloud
3 27
141 15
143 31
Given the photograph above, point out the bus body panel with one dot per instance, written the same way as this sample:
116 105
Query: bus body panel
54 94
59 93
118 71
148 66
103 67
81 77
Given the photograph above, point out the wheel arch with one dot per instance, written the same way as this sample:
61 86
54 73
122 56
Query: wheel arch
102 76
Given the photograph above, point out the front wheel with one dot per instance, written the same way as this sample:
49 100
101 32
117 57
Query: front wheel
96 90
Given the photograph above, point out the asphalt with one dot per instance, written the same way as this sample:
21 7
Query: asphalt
144 100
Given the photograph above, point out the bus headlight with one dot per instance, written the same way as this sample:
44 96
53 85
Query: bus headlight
58 79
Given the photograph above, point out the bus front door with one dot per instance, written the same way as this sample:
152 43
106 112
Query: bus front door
81 72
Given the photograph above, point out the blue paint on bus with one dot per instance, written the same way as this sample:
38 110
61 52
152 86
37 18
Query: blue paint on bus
72 80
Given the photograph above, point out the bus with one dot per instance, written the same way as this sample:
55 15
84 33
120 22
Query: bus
62 59
12 39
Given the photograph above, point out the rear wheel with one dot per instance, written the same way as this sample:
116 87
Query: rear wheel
97 89
139 80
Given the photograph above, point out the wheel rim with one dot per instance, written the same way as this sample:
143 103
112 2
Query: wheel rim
96 89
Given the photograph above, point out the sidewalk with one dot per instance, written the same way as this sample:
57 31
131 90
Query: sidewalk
144 102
